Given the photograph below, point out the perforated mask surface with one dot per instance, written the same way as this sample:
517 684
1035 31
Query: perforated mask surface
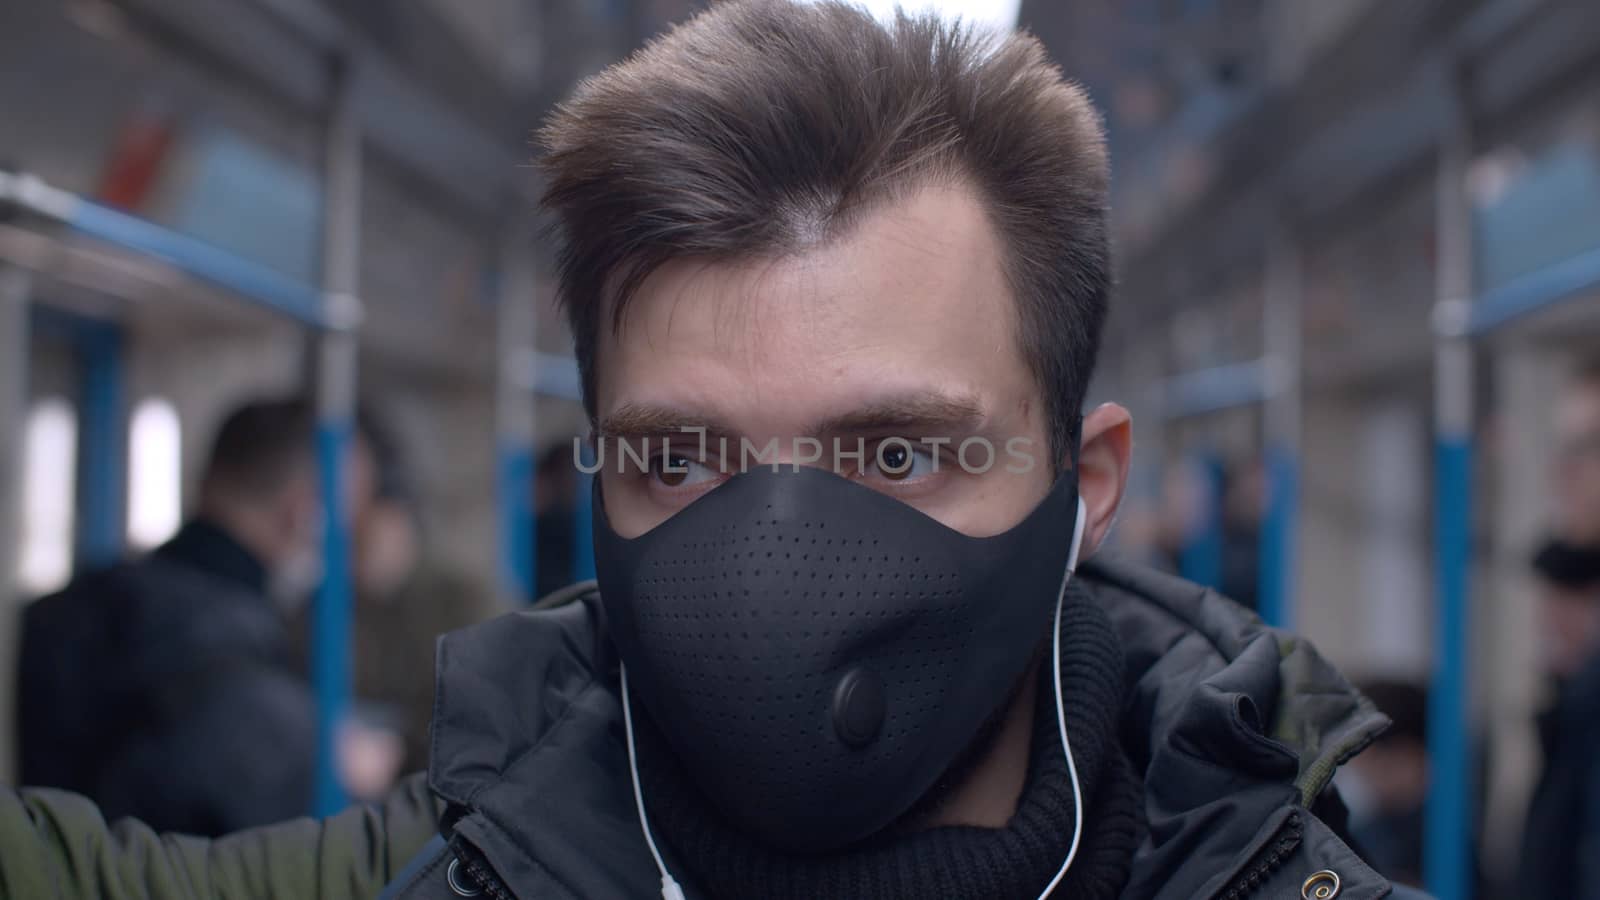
739 617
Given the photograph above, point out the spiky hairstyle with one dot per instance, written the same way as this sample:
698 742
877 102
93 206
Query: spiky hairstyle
761 128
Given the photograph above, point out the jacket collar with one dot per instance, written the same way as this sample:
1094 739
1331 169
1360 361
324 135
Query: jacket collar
207 547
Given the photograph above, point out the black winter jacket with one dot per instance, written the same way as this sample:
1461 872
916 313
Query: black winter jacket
1561 840
1236 728
162 688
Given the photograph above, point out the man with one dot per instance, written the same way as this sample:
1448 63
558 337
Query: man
1576 474
554 495
1244 506
1561 840
1386 786
861 666
162 688
405 599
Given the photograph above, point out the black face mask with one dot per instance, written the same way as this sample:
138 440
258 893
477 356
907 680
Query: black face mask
818 654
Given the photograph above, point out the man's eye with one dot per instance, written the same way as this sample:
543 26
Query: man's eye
900 462
677 470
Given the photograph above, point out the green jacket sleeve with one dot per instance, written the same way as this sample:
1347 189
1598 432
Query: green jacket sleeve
56 846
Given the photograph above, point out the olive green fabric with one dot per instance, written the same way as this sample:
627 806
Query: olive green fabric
55 846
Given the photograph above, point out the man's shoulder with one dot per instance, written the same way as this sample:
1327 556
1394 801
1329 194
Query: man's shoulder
547 646
91 586
1223 708
1155 609
527 730
569 621
1178 635
532 666
141 584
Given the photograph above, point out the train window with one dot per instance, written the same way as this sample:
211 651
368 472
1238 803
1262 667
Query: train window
155 473
49 461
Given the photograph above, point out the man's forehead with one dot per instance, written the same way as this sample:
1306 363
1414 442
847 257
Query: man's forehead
910 315
933 242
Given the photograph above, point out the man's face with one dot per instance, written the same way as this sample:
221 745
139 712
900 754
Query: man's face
903 329
301 515
1577 471
385 544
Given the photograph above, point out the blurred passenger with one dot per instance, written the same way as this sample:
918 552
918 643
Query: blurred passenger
1180 513
1576 475
163 688
405 599
1386 786
1561 838
1139 535
555 530
1244 493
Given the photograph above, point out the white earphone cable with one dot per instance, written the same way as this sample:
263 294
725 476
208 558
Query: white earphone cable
669 886
1061 709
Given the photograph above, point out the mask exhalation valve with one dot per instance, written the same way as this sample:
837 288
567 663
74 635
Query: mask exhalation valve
859 707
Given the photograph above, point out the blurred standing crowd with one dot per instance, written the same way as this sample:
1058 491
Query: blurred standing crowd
1386 786
1561 838
175 687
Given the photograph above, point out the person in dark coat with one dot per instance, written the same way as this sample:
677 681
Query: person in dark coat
162 687
1561 837
555 534
1391 779
406 596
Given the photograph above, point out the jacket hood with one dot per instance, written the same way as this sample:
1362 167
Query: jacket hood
1237 729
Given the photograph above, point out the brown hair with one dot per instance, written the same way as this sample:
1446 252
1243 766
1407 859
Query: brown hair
261 446
762 127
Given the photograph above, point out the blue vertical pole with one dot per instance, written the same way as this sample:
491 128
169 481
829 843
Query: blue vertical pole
1280 427
103 460
516 518
1448 830
332 618
1448 834
1276 576
583 526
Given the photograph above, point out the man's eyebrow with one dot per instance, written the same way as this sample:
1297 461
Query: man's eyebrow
918 411
637 420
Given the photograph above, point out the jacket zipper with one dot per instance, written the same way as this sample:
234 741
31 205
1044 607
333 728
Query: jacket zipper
1267 860
478 870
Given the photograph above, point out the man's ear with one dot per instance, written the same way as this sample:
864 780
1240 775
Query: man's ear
1103 461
